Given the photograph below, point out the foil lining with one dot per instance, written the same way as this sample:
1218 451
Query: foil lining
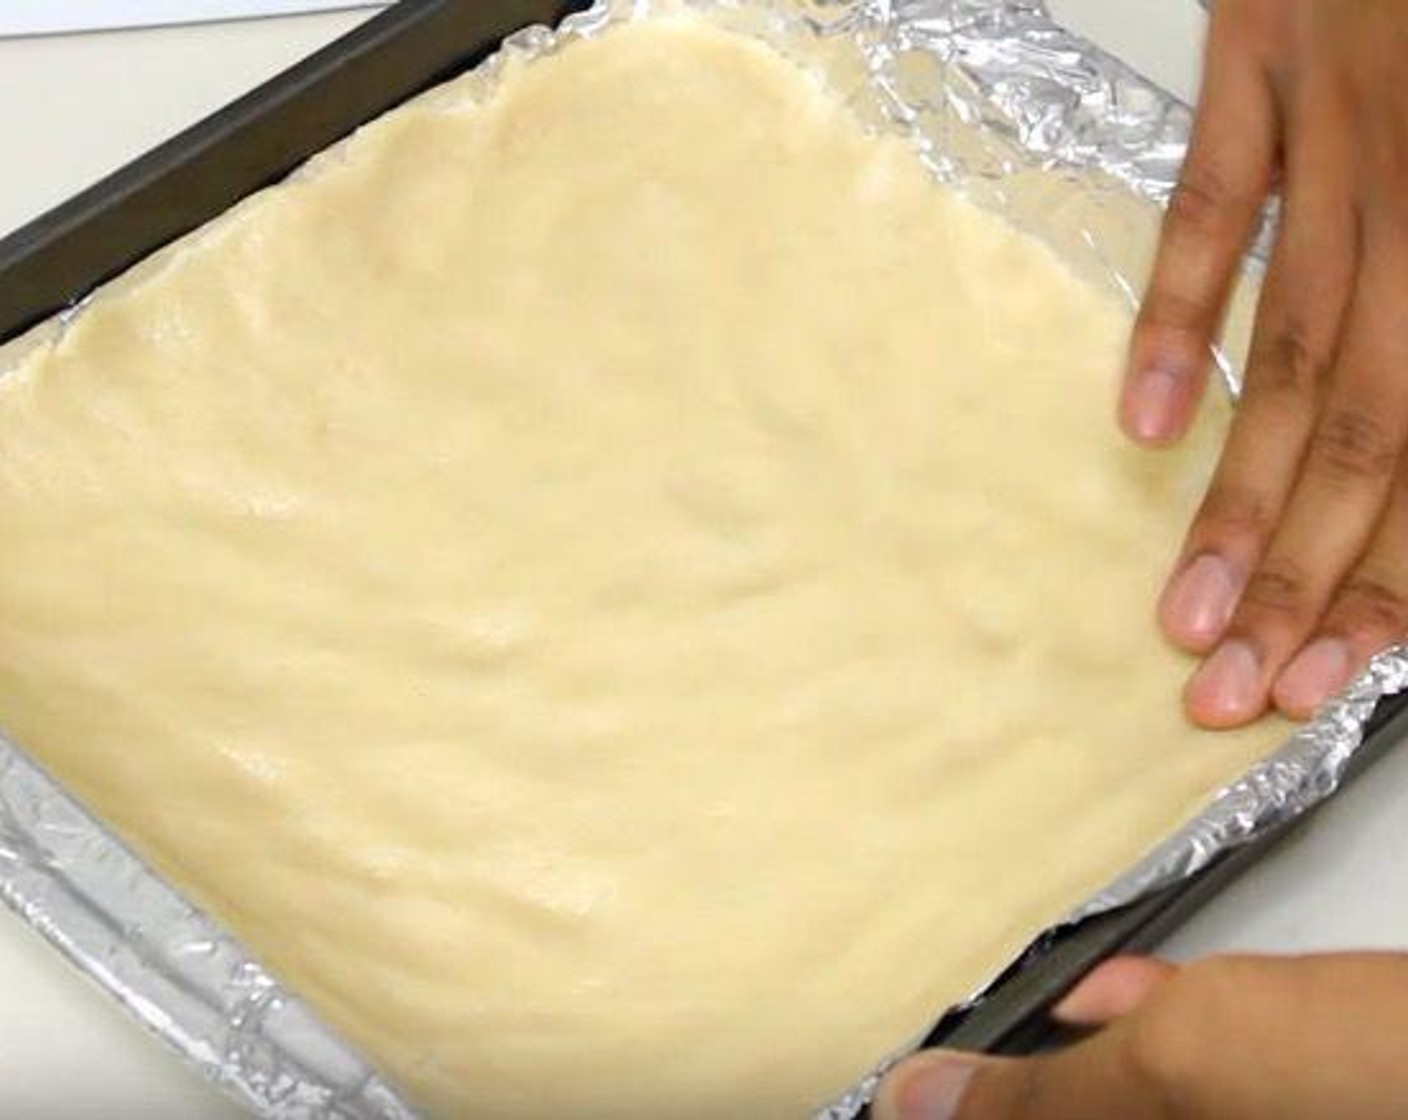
1309 768
168 964
1061 138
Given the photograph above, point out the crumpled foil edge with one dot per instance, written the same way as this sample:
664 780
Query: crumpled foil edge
943 72
1310 767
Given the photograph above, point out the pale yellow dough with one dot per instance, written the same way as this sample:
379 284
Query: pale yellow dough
629 597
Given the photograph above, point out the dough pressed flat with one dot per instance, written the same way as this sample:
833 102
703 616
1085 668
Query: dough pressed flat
627 595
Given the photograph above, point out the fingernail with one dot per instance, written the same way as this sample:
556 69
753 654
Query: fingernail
934 1090
1199 602
1226 690
1313 676
1152 404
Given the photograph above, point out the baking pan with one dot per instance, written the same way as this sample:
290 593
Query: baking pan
55 261
1012 1017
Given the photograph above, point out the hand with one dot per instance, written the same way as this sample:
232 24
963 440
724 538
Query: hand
1226 1039
1295 570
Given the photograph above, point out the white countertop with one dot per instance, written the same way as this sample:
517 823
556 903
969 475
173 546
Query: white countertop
72 108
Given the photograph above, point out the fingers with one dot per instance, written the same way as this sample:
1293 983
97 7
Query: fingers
1295 570
935 1085
1098 1078
1368 612
1113 990
1095 1079
1223 1038
1298 327
1210 219
1345 480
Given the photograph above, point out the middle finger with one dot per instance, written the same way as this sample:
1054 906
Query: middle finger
1298 326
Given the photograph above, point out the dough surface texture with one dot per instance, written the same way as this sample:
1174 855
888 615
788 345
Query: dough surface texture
626 595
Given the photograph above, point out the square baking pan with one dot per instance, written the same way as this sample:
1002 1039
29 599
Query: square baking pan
52 263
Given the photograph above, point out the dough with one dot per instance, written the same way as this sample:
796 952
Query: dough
628 596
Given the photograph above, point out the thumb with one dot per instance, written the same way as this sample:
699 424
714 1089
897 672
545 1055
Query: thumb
1091 1080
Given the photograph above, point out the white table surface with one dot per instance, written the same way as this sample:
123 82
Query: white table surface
72 108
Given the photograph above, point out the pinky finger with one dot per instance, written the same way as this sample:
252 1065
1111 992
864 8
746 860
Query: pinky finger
1368 614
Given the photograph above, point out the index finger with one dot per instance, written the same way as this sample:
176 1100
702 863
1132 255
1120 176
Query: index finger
1211 217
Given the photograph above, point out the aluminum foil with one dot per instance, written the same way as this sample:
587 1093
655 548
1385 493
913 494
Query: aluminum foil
1303 773
168 964
1063 140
